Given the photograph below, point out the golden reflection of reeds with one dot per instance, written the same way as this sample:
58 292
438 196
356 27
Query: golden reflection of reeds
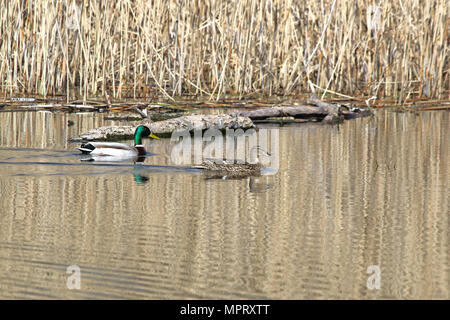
134 48
46 130
372 192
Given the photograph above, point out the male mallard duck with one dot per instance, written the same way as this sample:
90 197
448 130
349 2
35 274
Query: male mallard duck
235 168
119 150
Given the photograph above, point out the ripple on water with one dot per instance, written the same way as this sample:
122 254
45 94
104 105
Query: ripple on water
372 191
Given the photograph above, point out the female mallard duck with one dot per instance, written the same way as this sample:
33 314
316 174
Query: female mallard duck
235 168
119 150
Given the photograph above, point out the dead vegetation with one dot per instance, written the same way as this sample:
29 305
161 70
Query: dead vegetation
130 49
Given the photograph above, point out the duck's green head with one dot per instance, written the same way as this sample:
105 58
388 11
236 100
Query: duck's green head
142 132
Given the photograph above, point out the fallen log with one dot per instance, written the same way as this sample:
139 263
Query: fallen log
313 109
155 116
167 127
275 112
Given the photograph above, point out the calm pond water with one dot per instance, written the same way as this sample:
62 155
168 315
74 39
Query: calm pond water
369 192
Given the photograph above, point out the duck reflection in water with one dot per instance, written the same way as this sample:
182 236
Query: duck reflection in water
256 184
139 171
140 178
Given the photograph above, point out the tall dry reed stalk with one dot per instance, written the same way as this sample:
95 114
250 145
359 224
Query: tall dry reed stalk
133 48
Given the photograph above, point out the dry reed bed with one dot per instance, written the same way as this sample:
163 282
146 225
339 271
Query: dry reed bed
139 48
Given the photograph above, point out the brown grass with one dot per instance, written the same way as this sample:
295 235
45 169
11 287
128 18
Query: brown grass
131 48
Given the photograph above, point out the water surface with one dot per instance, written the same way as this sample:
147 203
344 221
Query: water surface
371 191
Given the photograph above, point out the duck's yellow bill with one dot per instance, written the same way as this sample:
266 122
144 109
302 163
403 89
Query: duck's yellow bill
153 136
